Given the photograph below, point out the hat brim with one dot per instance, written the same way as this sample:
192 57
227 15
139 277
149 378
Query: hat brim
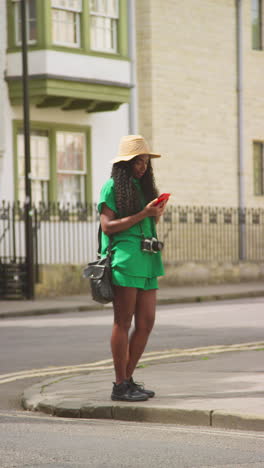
131 156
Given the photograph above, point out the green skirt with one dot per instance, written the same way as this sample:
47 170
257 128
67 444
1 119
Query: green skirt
120 279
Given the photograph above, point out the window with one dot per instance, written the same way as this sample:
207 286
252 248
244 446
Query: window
65 178
40 172
104 20
66 22
31 22
256 24
71 166
258 168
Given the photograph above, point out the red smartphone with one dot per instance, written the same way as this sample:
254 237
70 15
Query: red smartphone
162 197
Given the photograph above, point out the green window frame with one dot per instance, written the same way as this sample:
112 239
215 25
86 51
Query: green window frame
69 166
84 44
258 163
256 13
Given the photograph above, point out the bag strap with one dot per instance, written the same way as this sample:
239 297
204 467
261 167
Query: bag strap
100 242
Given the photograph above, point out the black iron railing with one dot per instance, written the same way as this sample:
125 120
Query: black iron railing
68 234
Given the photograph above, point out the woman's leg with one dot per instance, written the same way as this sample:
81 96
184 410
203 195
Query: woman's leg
124 309
144 321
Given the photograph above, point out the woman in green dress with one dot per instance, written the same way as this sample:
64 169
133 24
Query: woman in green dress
129 213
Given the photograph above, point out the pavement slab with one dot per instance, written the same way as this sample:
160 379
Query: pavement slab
223 390
166 295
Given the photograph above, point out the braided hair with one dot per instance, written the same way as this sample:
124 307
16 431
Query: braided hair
127 196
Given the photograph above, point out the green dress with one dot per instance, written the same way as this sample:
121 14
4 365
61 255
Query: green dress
131 266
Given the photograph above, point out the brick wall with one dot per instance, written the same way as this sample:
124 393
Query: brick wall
187 97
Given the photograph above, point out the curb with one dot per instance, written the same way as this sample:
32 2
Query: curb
52 310
31 400
161 301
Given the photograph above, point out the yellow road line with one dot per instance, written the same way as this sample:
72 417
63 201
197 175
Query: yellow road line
147 357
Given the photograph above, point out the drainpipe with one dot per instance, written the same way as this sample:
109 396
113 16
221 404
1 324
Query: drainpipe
133 123
240 129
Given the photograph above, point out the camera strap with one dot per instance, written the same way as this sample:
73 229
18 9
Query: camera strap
154 234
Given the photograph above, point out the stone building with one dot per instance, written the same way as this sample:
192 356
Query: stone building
200 91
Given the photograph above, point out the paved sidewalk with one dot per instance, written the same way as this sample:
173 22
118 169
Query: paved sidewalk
223 390
166 295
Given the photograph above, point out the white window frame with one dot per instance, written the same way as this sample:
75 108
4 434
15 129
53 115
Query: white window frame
113 18
83 172
77 12
17 5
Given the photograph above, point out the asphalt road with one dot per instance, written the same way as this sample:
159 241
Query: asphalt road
72 339
40 442
34 440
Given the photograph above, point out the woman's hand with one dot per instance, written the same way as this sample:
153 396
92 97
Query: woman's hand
155 210
111 225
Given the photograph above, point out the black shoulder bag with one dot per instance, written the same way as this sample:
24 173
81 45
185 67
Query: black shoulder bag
99 274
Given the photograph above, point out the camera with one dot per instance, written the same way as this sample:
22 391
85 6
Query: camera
151 245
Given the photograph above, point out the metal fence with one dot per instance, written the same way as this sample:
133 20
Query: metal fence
206 234
68 234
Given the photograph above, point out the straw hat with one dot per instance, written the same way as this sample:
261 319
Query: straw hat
131 146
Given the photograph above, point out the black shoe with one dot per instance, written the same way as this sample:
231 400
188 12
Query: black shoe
126 392
140 387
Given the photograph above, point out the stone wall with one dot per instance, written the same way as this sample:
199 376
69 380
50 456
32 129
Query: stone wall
58 280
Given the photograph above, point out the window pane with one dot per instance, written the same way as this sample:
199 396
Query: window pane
112 8
21 190
32 9
65 27
39 146
32 31
93 5
40 157
103 33
256 24
70 188
104 7
75 5
39 191
98 6
70 151
258 168
31 21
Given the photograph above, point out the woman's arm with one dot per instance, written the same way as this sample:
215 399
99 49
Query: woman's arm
111 225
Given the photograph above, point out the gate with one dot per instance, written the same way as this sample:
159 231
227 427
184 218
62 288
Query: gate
13 267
